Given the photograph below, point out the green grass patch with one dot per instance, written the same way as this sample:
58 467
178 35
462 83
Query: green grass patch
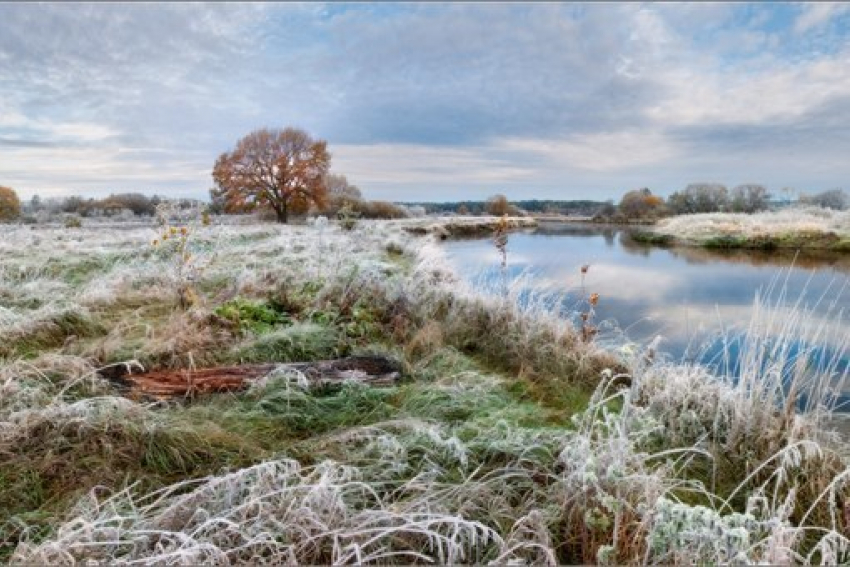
649 237
725 242
255 316
802 239
842 245
51 333
296 343
281 413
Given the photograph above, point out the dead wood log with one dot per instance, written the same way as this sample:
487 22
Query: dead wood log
375 371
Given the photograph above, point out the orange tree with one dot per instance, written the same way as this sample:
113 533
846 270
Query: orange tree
282 170
10 205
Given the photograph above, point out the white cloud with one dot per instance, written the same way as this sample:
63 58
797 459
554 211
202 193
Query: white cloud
553 100
95 170
782 93
405 163
816 14
599 152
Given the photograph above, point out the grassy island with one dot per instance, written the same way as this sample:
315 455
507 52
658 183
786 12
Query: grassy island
812 228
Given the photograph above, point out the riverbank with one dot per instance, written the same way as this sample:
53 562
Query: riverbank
460 227
508 438
798 228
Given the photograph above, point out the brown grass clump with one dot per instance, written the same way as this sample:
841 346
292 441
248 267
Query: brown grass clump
183 339
425 341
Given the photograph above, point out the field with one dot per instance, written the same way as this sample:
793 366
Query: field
793 228
511 437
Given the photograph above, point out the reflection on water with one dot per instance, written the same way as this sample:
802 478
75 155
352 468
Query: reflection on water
685 295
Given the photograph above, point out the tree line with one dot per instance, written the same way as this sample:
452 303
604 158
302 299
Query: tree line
286 171
642 204
119 204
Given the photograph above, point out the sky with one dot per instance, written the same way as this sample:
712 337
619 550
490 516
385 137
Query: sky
431 101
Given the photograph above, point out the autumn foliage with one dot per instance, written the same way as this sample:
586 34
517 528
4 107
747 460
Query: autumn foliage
498 205
641 203
282 170
10 205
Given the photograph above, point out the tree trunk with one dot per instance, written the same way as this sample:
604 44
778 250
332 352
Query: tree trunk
282 214
376 371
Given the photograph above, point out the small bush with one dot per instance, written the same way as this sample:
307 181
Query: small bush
73 222
255 316
348 217
10 204
381 210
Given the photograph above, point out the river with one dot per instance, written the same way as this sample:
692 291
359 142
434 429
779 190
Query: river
683 298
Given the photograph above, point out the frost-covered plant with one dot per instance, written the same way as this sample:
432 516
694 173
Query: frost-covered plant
275 512
176 245
612 477
697 534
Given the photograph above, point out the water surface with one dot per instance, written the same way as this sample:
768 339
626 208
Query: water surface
683 295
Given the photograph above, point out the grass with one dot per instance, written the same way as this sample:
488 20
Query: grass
28 338
297 342
811 228
509 438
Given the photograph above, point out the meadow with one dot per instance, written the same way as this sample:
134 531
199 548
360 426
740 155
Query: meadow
511 437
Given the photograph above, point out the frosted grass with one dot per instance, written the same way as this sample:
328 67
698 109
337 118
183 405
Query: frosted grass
609 491
806 220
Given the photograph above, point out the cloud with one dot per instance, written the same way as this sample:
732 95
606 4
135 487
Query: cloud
461 74
599 152
401 163
422 100
815 15
98 171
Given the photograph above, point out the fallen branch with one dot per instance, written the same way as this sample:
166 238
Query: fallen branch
375 371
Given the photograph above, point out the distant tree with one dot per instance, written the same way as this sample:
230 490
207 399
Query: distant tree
380 210
749 198
340 194
141 205
607 210
35 204
10 204
837 199
76 204
699 198
338 186
462 210
641 203
218 202
282 170
680 204
498 205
